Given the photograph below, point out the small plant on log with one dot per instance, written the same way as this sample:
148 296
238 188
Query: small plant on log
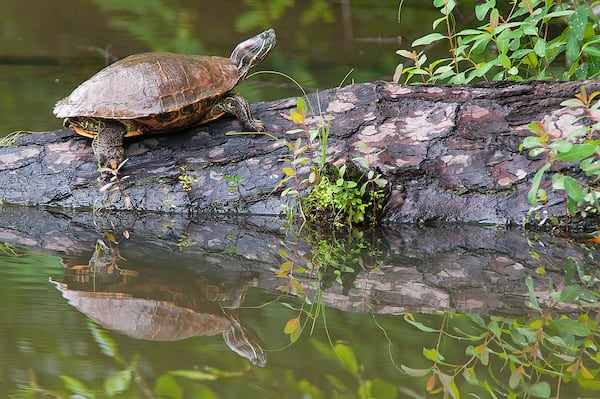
316 190
582 148
113 188
10 138
520 43
338 197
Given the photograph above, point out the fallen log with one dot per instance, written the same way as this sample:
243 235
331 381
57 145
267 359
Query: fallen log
448 153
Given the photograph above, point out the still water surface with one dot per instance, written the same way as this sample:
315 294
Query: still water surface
162 306
84 301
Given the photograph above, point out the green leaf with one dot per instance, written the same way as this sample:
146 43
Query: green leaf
561 145
515 377
347 357
75 386
572 52
293 329
571 327
578 22
504 61
591 50
573 189
415 372
118 382
166 387
432 354
409 319
428 39
301 105
540 390
578 152
531 141
106 344
535 184
532 298
572 103
540 47
481 10
569 293
405 54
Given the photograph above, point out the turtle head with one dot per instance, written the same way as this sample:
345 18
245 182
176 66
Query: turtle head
252 51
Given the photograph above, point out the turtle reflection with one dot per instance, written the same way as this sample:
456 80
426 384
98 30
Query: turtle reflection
154 304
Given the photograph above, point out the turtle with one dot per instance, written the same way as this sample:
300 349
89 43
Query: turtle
161 92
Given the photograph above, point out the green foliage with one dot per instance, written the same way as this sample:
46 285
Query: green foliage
9 139
305 186
346 199
581 147
532 40
508 357
341 199
186 180
234 183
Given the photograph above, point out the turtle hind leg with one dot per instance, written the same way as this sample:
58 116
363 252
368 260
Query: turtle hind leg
236 105
108 144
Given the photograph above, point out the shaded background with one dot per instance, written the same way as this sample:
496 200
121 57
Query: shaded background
47 50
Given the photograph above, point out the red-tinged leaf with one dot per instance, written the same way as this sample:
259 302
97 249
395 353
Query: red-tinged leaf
430 385
536 128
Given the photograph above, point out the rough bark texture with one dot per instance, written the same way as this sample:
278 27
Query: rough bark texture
448 153
466 267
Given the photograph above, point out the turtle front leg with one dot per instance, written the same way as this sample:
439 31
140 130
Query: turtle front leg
236 105
108 144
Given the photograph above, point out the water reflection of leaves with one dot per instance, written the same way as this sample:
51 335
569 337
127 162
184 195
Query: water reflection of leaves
140 17
315 261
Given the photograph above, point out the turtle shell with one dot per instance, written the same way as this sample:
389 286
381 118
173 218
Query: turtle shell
156 91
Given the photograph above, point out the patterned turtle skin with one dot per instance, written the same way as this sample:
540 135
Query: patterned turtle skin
161 92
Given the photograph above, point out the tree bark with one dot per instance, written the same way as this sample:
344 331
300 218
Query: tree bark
448 153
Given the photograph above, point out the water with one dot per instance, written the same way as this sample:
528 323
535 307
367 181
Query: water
144 306
85 295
